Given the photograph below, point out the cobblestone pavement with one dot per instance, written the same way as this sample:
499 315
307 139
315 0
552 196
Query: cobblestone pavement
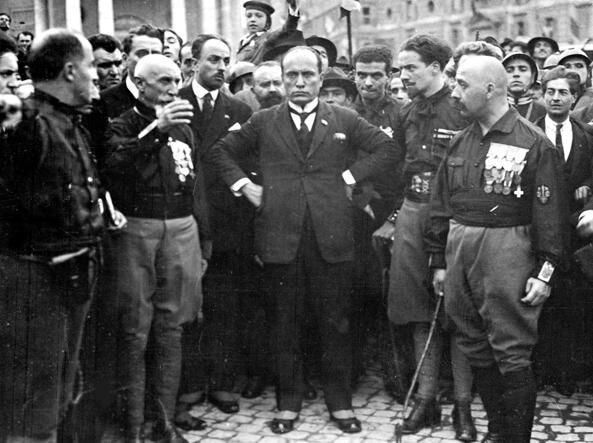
558 419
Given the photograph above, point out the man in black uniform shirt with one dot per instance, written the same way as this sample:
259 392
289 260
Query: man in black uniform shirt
497 206
51 225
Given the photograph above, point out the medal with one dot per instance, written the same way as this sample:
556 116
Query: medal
488 189
497 188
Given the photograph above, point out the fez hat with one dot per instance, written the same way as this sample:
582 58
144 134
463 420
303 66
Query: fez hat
262 5
238 70
282 44
525 57
552 61
336 77
573 52
531 43
330 48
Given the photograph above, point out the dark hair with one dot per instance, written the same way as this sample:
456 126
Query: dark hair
104 41
175 34
524 47
571 77
478 47
308 48
7 15
430 49
374 53
50 53
7 44
145 29
30 34
198 44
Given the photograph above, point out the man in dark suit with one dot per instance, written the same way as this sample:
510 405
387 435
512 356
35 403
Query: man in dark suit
564 312
230 256
307 153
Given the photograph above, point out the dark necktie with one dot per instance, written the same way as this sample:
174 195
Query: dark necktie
303 132
559 145
207 108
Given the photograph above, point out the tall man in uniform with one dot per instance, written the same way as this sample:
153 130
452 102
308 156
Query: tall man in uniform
497 207
51 228
424 129
153 178
307 152
230 252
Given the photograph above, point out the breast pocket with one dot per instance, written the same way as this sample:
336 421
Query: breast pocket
455 172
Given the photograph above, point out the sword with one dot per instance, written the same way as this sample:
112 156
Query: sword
433 324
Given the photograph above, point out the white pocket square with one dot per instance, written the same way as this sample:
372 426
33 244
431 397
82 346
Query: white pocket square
235 127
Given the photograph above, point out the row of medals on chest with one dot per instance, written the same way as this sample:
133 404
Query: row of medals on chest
502 171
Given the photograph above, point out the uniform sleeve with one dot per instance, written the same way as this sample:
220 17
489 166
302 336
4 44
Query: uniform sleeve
435 236
550 226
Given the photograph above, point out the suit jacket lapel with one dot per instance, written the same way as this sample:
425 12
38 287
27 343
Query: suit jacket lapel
285 130
320 130
189 95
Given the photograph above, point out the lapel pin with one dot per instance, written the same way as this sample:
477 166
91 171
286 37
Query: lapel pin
227 116
324 122
339 136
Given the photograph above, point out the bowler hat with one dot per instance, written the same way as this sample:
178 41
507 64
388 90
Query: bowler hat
330 48
336 77
531 43
262 5
525 57
238 70
282 44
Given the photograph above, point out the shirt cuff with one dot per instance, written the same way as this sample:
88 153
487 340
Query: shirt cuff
348 178
236 187
295 12
588 213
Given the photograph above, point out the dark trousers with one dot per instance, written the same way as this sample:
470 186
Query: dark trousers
310 287
42 317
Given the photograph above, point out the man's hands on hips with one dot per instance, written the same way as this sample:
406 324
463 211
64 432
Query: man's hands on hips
537 292
438 281
384 235
585 225
582 194
253 193
174 113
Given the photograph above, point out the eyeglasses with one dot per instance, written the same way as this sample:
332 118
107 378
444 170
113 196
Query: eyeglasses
107 65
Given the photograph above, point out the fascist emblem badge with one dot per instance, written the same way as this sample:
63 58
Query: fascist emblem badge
543 194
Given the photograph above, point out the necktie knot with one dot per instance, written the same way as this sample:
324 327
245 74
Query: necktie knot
559 127
303 115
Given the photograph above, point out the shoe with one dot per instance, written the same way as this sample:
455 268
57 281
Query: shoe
492 437
167 432
226 406
426 413
565 385
349 425
184 420
463 422
254 388
309 392
283 425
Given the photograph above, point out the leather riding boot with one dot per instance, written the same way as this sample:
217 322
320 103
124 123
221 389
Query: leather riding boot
489 384
463 422
426 413
135 380
519 405
167 432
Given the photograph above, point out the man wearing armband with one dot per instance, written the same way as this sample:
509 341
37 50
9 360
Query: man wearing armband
495 237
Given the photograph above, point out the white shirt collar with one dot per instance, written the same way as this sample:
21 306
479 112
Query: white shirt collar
308 107
200 91
132 87
552 124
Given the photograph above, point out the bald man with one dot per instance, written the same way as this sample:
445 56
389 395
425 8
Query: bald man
152 178
497 211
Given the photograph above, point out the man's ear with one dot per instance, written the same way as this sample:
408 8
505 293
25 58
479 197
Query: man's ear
140 83
68 71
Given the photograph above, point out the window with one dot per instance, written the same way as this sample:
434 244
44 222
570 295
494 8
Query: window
431 6
366 15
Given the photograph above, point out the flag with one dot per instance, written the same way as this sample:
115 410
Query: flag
347 6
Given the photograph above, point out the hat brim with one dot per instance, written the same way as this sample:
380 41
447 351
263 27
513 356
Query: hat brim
268 9
346 85
330 48
531 43
527 58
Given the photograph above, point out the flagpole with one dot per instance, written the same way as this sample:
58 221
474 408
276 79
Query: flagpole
349 27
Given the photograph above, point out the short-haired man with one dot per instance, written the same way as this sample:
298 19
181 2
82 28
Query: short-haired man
424 129
108 59
24 40
186 63
497 208
172 44
540 48
152 177
398 90
306 242
51 223
229 270
5 22
267 89
337 88
522 74
574 140
9 64
372 72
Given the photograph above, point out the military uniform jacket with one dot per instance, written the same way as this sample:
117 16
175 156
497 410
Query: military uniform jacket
511 176
294 183
424 129
50 198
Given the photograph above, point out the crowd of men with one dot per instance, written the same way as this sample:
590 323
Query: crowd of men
176 229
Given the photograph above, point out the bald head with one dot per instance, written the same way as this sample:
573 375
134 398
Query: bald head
158 79
153 64
486 70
